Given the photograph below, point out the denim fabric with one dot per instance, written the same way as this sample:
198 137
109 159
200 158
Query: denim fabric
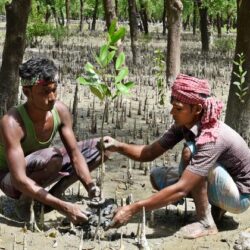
222 190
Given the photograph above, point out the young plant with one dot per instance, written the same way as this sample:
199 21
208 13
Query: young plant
107 79
100 79
240 74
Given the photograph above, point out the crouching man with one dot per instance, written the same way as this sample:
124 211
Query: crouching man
216 161
27 163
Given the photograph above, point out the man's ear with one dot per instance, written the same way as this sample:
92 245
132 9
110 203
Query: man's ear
198 109
26 91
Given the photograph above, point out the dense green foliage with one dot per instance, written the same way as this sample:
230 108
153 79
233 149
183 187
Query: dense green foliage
154 9
48 17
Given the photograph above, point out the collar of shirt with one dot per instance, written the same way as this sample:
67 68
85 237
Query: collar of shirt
192 133
196 129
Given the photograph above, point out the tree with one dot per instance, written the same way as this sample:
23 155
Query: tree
164 18
94 15
174 9
194 16
81 16
144 15
204 26
17 13
109 12
237 112
67 6
133 28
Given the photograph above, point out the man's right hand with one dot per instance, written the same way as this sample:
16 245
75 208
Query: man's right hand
76 215
109 143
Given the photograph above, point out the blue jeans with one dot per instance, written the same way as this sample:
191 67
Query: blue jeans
222 190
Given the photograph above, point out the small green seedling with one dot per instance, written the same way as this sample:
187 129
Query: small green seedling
240 74
102 82
107 79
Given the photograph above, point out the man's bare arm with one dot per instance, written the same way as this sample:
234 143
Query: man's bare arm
70 143
141 153
162 198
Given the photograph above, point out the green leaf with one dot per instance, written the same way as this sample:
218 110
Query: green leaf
97 91
110 56
244 73
89 68
236 63
236 74
105 89
113 47
122 74
129 85
122 88
82 80
108 39
103 53
120 61
119 34
236 83
98 61
112 27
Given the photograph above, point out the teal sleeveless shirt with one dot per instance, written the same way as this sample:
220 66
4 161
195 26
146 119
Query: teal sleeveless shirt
30 143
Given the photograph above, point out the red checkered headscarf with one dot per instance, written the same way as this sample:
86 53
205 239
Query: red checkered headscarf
191 90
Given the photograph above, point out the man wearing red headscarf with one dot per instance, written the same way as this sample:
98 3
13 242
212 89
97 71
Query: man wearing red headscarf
215 167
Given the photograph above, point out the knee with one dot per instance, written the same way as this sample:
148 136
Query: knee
153 179
162 177
56 159
214 173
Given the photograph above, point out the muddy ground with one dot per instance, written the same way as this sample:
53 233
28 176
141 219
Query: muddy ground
160 231
144 120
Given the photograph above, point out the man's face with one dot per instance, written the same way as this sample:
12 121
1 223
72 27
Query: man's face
43 97
185 114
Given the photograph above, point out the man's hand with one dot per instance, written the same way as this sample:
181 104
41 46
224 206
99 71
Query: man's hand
76 215
108 143
94 191
122 216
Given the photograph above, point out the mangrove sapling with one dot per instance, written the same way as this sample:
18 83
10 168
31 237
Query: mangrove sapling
104 84
240 74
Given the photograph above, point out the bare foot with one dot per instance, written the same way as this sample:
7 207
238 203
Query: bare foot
197 229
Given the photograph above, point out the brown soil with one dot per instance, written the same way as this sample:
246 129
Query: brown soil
160 232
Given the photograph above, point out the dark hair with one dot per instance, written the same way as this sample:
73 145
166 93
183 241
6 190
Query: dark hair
38 69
